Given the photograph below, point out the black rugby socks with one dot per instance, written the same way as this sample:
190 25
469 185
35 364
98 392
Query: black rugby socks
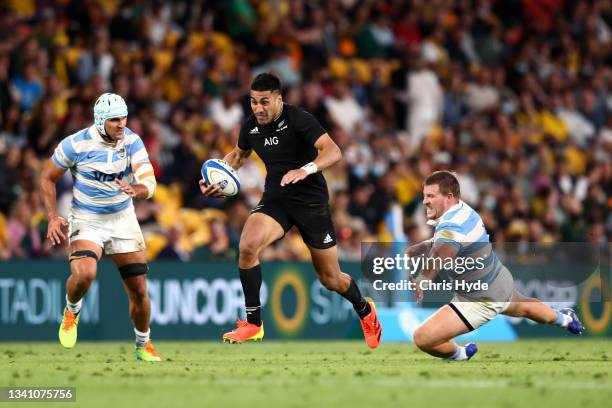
353 295
251 283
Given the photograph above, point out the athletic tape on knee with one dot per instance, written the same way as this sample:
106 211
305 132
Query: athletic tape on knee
135 269
86 253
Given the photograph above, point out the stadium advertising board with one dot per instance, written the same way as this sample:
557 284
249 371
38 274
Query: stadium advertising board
188 301
202 300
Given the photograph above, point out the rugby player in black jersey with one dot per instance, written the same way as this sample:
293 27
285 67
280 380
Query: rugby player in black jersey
295 149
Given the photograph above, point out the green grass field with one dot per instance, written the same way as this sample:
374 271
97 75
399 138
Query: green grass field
562 373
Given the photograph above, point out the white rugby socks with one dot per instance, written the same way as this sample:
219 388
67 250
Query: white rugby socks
563 320
74 308
459 355
141 337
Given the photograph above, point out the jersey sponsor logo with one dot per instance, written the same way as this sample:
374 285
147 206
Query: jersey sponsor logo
254 130
269 141
327 239
99 176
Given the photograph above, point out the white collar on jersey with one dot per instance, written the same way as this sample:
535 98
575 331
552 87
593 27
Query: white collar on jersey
435 222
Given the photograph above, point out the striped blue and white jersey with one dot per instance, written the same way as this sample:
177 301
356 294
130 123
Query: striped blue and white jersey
95 164
462 228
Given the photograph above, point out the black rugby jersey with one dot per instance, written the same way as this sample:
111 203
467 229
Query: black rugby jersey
287 144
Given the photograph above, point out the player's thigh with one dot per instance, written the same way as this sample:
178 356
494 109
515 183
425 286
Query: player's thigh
260 230
440 327
133 269
83 265
325 262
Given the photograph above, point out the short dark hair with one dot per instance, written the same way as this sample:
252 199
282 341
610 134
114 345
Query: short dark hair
266 82
446 180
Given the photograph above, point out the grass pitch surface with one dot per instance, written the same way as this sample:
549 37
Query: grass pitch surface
539 373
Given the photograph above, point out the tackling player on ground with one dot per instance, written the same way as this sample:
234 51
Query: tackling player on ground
295 149
460 232
104 160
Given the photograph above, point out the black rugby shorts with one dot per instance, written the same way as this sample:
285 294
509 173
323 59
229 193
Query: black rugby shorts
313 220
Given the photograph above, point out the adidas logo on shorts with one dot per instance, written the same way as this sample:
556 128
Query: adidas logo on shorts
327 239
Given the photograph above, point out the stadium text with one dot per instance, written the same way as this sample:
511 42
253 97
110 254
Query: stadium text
197 301
38 301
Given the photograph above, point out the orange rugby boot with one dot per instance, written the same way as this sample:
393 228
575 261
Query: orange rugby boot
372 330
243 332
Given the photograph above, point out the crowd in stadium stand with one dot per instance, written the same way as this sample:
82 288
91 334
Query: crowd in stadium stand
513 95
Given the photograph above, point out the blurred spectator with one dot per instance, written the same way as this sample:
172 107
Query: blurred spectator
172 250
24 241
220 247
226 111
425 97
343 107
10 178
27 87
96 60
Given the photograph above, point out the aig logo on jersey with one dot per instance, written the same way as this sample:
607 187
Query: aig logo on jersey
269 141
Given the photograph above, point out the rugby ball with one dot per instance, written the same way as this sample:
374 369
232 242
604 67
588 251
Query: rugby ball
216 171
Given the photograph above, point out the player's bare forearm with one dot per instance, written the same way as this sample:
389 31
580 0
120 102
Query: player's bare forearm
48 180
328 152
439 254
47 187
237 157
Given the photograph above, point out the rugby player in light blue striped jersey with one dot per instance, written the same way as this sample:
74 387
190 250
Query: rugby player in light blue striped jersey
460 234
110 167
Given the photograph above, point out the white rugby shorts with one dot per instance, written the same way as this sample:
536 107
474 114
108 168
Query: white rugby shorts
478 308
116 233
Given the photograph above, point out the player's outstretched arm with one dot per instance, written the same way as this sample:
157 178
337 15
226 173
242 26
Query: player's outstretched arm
328 154
48 179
